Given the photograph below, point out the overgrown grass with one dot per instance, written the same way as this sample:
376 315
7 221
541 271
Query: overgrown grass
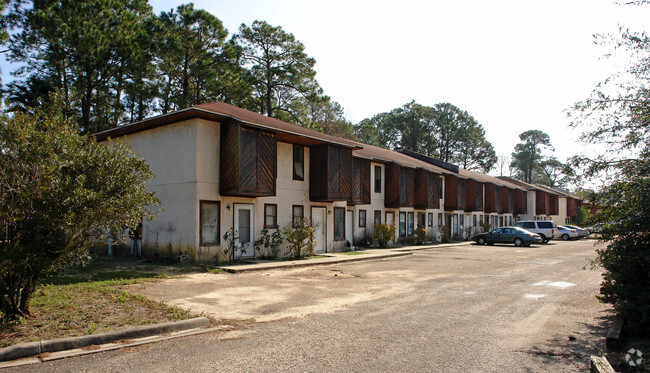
92 299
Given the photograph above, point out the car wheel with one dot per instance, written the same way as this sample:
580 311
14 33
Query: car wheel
518 242
565 237
527 245
480 241
544 240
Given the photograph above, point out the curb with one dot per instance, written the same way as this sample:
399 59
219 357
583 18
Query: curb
615 334
307 263
600 365
27 349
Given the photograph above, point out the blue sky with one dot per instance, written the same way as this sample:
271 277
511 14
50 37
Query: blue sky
513 65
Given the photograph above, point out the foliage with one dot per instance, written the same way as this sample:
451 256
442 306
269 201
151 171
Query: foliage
486 226
90 58
282 73
527 157
231 237
384 234
420 235
300 237
195 63
443 131
271 242
59 191
445 233
582 217
616 117
625 205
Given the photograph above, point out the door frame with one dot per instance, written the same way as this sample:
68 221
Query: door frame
250 251
323 225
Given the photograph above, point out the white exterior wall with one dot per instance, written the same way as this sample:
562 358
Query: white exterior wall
171 152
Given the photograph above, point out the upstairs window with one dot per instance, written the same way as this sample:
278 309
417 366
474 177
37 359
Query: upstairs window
377 179
298 162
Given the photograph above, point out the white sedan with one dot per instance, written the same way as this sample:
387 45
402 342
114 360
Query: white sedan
566 233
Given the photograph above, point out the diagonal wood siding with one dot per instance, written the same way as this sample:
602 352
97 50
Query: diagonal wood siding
330 176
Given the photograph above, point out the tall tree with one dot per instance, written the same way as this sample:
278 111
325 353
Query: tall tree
503 161
551 173
87 47
527 156
195 63
283 75
443 131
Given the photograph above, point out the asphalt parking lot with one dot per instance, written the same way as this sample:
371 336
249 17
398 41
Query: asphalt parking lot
455 309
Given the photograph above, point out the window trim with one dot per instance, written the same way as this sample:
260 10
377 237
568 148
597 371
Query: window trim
301 150
335 236
293 214
377 179
275 216
218 241
365 218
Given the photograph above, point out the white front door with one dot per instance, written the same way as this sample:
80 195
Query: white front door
244 226
319 219
349 225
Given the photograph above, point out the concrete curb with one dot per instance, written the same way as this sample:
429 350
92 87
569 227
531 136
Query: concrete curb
336 258
22 350
600 365
306 263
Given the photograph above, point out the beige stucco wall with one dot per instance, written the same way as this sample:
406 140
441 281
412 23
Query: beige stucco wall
171 152
560 219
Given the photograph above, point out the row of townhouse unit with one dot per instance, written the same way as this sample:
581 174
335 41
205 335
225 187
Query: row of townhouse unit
219 167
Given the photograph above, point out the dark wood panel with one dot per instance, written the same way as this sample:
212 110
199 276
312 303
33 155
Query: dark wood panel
451 193
330 177
478 195
360 181
541 202
470 195
490 198
391 185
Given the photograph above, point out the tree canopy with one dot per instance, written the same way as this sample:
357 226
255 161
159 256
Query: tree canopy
442 131
58 191
616 117
527 157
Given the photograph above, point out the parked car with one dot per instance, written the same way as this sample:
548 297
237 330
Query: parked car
582 232
514 235
546 229
567 233
596 228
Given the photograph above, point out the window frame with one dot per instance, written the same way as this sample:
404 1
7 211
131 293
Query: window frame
293 214
336 236
274 216
402 224
363 217
298 149
430 219
377 218
218 224
377 179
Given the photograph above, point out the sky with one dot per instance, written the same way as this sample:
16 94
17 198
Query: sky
512 65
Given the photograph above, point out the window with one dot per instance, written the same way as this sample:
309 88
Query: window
440 187
298 213
474 220
410 223
377 216
500 221
390 218
422 220
270 215
362 218
339 223
430 219
377 179
402 224
298 162
480 219
440 219
209 227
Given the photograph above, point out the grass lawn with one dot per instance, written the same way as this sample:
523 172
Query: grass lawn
93 299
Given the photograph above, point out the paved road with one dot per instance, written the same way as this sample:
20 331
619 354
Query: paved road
462 309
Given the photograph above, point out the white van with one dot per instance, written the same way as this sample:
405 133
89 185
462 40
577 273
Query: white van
547 229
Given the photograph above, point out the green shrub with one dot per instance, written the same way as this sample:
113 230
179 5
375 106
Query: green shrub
300 237
270 242
384 233
420 235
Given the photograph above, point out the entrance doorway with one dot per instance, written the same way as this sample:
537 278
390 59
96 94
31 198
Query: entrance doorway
319 220
244 225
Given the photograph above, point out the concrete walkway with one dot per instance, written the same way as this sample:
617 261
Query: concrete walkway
333 258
